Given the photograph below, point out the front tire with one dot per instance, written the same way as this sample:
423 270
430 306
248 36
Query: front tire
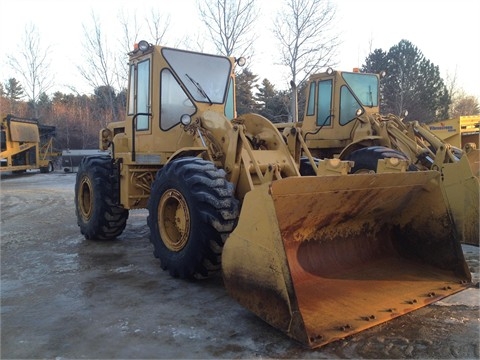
306 169
366 159
98 215
192 209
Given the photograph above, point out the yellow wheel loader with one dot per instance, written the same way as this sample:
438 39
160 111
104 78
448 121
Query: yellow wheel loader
342 119
318 257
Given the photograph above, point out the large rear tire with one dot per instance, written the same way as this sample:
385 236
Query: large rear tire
366 159
98 215
192 209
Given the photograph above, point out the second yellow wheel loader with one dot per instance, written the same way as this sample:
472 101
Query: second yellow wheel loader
342 119
318 257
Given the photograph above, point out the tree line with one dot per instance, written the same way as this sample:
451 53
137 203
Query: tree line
303 28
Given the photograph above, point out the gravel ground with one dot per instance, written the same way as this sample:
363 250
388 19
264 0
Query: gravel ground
65 297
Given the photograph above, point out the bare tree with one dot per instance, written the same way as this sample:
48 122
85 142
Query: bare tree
461 103
130 31
305 32
100 64
158 24
98 70
33 65
230 24
195 42
130 35
452 84
464 104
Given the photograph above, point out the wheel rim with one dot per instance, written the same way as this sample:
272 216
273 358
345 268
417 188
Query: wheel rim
173 220
85 198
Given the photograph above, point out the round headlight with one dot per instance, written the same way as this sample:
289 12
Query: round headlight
143 45
241 61
329 71
185 119
359 111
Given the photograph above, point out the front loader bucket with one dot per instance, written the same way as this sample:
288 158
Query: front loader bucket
321 258
461 188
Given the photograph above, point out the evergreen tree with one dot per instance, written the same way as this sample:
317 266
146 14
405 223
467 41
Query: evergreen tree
244 87
281 104
44 106
375 63
14 92
273 104
412 83
264 96
105 97
102 96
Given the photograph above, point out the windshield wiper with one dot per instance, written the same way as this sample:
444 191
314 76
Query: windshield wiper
199 88
370 95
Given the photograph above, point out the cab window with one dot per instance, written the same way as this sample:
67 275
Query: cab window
143 94
311 99
364 87
139 93
324 102
230 104
173 101
348 106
